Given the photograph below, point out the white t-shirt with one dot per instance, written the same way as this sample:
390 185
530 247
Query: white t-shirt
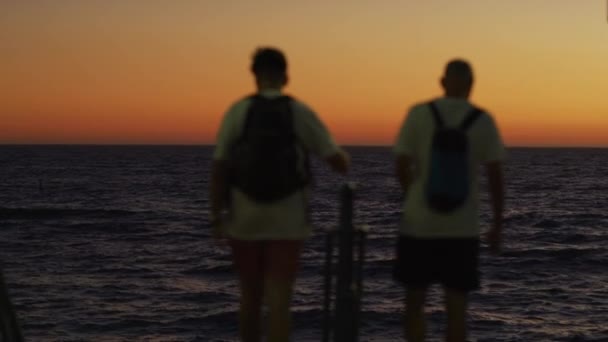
288 218
415 139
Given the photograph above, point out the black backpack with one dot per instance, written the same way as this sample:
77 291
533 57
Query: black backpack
447 187
267 162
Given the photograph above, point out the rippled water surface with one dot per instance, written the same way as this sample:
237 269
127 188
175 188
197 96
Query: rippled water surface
110 244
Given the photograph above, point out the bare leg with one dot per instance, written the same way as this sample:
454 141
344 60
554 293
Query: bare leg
415 323
281 266
456 307
278 297
250 311
248 261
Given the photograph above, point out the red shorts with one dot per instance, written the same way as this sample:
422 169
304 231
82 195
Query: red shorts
256 260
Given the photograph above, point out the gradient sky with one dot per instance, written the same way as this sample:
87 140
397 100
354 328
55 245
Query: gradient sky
125 71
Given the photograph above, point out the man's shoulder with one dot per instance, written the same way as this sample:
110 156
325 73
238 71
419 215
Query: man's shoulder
296 104
241 103
418 110
299 105
237 108
235 115
421 106
483 110
485 118
303 113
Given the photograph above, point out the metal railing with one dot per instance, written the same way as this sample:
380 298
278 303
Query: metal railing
342 303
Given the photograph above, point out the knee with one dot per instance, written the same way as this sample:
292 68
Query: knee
278 295
251 304
414 311
277 302
251 298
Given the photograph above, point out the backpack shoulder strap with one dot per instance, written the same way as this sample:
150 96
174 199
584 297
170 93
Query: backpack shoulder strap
436 115
253 99
286 101
470 119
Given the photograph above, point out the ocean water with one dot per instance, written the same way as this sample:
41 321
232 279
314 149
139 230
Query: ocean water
111 244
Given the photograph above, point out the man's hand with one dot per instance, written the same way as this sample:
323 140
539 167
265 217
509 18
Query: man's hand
217 232
339 162
403 171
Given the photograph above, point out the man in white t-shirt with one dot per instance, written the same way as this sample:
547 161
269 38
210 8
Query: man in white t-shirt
442 247
267 217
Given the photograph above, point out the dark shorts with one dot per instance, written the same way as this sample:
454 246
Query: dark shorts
453 263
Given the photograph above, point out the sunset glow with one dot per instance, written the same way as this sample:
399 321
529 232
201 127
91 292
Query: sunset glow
164 72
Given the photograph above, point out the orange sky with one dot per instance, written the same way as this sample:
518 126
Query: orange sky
110 71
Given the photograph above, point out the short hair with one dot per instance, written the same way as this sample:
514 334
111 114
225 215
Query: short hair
269 60
459 68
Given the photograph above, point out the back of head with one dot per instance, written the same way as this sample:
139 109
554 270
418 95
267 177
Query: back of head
458 78
269 64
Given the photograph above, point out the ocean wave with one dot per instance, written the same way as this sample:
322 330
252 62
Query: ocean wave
558 254
122 251
62 213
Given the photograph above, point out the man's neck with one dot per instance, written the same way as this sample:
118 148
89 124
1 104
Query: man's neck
457 96
269 88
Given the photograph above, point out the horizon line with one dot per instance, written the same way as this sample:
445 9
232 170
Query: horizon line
211 145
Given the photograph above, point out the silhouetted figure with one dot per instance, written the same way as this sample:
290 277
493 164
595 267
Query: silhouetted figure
9 327
260 175
438 151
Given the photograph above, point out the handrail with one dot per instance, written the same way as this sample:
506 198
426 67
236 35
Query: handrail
344 322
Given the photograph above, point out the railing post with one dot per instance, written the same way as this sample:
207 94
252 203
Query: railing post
346 328
342 323
328 285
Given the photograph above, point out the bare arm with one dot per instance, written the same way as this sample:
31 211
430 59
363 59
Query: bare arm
218 188
403 170
497 192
